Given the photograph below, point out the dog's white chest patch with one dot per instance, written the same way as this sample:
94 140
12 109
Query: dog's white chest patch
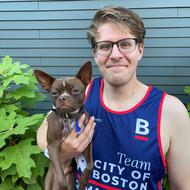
68 125
72 125
81 162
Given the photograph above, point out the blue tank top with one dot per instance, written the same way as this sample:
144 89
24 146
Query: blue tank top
127 150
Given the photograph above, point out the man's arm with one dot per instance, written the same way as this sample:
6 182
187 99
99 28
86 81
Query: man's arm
41 135
176 120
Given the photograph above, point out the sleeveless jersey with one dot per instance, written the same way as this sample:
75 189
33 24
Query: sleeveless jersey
127 151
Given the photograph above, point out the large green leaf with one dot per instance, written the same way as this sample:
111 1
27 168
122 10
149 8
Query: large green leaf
13 124
187 89
18 188
20 93
34 187
7 184
10 108
15 68
2 88
11 171
31 103
24 123
9 68
5 66
7 81
21 79
20 156
7 123
41 163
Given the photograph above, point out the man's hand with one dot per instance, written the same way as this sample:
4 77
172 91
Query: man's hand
75 144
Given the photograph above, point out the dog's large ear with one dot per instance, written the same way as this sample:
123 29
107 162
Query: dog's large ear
85 73
44 79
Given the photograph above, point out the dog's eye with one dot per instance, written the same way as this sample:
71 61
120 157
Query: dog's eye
75 90
54 93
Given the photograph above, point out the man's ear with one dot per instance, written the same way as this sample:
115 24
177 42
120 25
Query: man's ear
85 73
141 51
44 79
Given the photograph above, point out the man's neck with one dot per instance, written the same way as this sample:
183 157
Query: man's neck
121 98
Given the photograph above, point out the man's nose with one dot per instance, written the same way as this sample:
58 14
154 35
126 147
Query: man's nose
115 52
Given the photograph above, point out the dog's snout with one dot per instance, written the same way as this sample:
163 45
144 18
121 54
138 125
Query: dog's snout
63 98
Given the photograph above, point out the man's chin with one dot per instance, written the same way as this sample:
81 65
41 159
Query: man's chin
116 81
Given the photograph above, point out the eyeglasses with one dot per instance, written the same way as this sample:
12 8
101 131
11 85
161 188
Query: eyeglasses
125 46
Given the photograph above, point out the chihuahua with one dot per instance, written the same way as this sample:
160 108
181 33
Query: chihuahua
68 97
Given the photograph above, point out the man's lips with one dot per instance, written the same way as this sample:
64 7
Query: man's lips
116 65
116 68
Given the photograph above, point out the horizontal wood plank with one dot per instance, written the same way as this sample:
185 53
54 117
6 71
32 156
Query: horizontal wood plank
51 35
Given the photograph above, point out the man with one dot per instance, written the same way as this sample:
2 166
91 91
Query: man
140 131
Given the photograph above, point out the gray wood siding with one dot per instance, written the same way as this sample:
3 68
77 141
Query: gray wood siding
51 35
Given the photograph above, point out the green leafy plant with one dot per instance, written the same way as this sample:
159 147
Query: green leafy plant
187 91
22 164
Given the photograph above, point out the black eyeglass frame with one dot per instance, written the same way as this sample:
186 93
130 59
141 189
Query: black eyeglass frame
117 42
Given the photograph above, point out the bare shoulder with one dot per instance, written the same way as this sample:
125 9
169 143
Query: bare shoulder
175 111
175 122
175 130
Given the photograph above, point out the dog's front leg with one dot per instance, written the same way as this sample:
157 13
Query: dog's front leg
50 176
71 180
53 149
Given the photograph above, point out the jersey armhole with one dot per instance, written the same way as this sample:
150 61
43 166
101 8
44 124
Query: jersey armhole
88 88
159 129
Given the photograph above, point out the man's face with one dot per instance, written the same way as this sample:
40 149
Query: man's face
117 68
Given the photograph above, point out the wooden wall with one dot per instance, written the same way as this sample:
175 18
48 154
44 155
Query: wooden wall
51 35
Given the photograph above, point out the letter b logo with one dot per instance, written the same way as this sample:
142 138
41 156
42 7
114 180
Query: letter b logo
142 127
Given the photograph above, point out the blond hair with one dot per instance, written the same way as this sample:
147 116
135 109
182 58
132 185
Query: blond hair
121 17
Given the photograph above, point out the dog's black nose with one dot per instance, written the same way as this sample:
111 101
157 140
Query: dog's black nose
62 98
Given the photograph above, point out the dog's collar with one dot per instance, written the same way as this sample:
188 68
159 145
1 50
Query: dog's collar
77 128
71 115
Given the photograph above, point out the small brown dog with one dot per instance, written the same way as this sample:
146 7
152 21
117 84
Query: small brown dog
68 97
